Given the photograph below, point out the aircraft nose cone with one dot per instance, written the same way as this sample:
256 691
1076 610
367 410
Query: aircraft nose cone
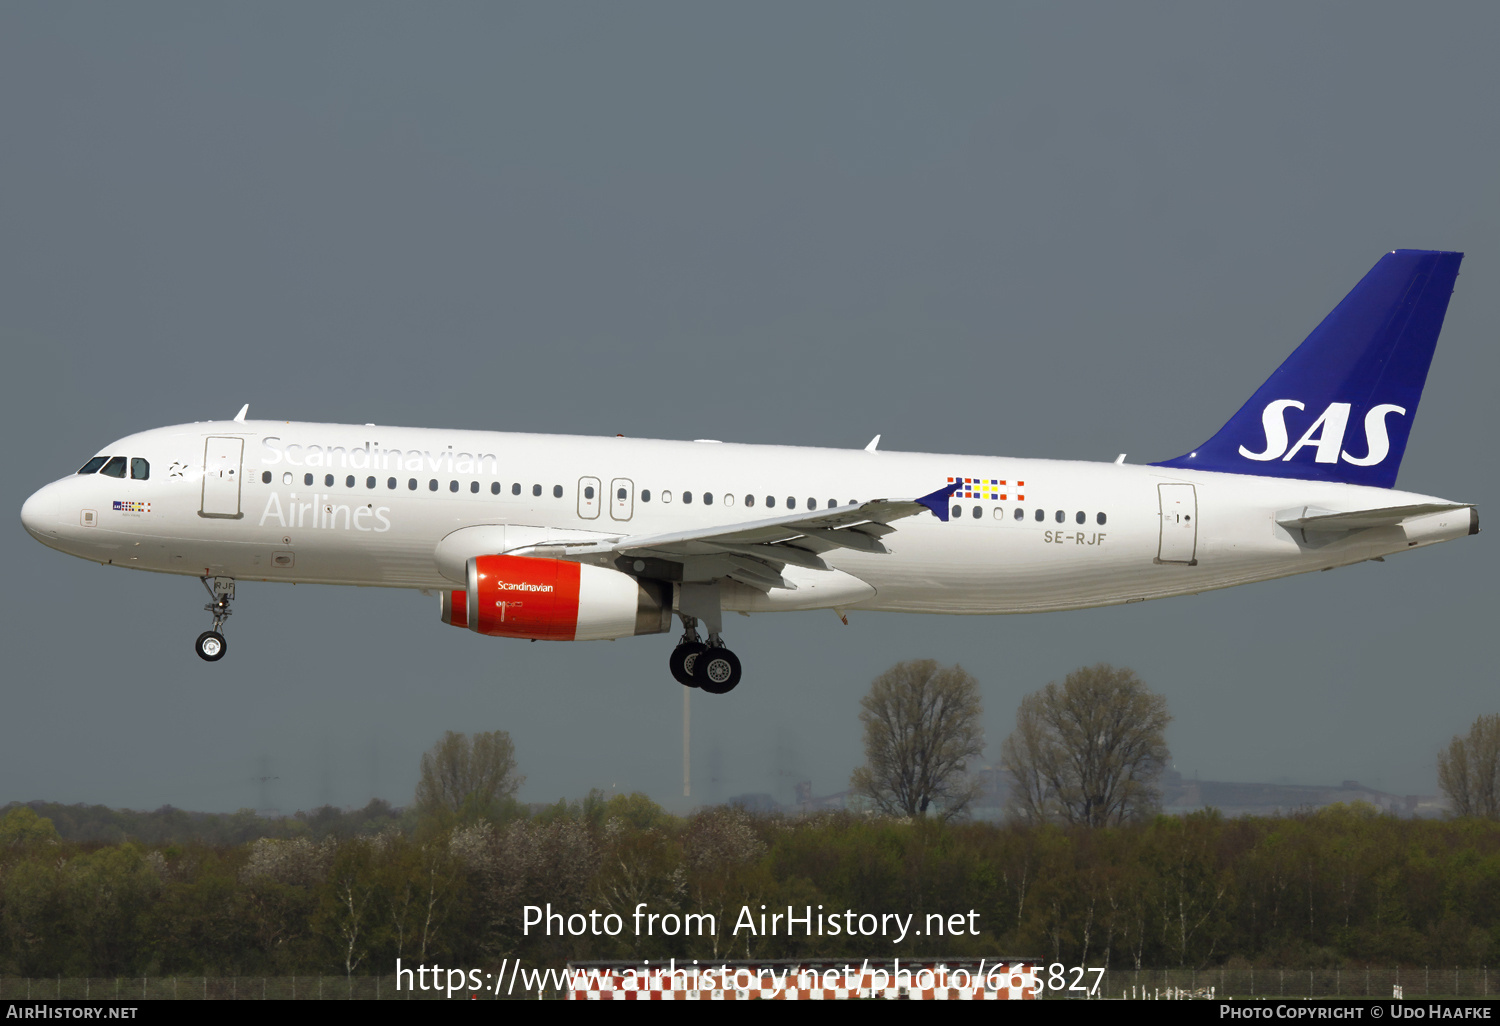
39 514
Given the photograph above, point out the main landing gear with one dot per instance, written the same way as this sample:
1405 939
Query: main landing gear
211 645
709 666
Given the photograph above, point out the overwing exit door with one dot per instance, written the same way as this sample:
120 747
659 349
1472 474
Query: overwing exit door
1179 524
589 499
622 498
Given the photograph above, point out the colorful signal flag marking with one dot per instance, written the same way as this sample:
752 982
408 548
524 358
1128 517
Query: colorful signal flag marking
985 488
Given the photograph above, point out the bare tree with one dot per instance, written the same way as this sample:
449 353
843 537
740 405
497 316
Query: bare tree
1469 770
1088 751
922 725
468 774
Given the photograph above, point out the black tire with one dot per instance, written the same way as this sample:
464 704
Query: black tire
683 658
717 671
211 646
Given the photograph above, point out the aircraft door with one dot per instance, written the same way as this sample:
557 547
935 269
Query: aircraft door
589 499
622 498
1179 524
221 477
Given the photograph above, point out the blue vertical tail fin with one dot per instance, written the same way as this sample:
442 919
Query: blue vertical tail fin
1341 407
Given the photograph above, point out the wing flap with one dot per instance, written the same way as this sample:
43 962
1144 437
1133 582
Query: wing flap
758 549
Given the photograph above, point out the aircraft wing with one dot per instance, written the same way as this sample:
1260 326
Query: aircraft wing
1310 518
754 552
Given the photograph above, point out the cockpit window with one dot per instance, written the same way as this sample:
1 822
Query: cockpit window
140 470
93 465
115 467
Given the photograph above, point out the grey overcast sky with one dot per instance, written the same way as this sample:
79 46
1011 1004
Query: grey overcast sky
1053 230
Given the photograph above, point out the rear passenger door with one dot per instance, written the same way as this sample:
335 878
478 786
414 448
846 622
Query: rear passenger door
1179 524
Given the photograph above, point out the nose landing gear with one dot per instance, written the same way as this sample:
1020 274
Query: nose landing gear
211 645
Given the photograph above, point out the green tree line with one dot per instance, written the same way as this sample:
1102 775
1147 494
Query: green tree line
1346 886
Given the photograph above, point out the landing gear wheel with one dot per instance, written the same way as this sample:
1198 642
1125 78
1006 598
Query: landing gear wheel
684 657
211 646
717 671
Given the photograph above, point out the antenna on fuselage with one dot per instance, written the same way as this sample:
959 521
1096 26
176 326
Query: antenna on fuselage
873 443
239 418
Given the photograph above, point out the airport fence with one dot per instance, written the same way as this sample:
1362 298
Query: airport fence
1254 984
1130 984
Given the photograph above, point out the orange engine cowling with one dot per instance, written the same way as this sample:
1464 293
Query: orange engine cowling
556 600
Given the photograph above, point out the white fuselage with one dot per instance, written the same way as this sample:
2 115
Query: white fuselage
1045 535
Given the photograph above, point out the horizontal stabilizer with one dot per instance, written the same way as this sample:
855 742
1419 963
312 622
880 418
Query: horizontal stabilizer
1312 519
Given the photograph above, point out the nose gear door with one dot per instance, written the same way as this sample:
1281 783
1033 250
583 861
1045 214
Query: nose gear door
222 459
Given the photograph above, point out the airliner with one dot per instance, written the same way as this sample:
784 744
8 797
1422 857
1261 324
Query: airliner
565 538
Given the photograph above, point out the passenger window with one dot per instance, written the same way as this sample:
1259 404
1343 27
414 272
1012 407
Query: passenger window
452 486
1020 513
750 501
1081 517
327 480
557 491
93 465
1041 515
770 502
411 484
588 492
307 479
666 496
645 495
687 497
432 485
978 512
140 470
812 503
473 487
729 499
515 489
494 487
620 494
369 482
265 477
708 498
999 513
349 481
1060 516
958 511
115 467
791 502
390 483
286 477
536 489
832 504
1101 518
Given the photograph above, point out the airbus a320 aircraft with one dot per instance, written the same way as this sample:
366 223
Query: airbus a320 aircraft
570 539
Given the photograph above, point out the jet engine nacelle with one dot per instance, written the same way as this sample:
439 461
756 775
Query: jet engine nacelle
556 600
